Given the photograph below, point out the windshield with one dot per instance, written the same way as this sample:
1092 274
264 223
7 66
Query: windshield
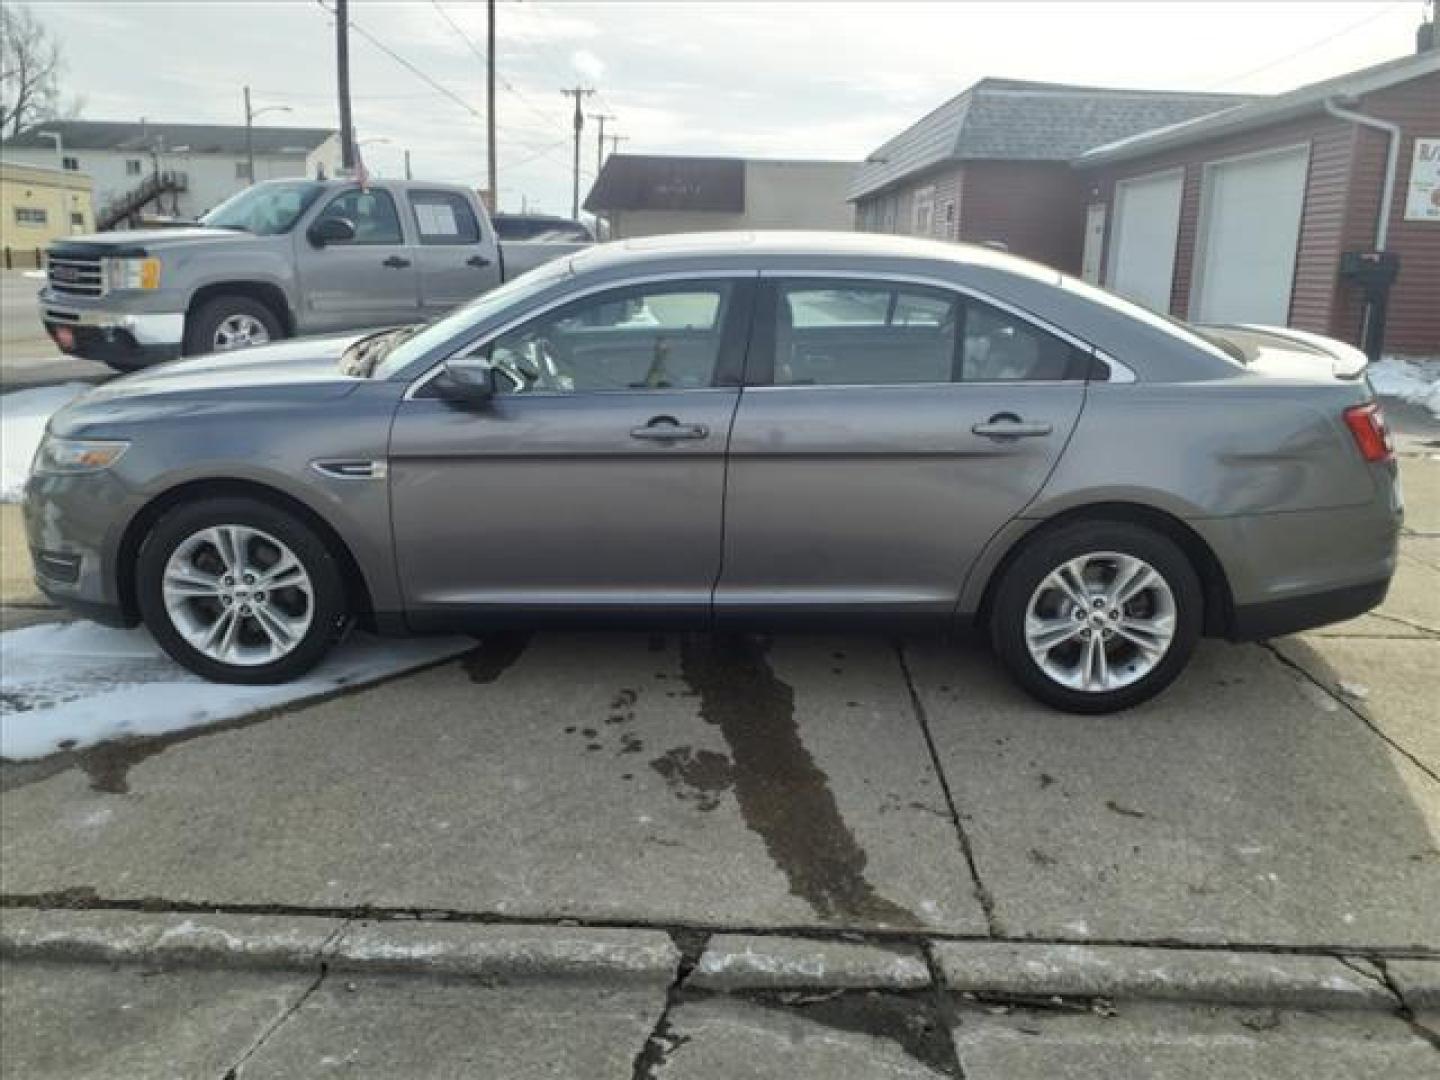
406 351
266 209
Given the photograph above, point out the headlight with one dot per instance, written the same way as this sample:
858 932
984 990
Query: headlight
132 273
77 455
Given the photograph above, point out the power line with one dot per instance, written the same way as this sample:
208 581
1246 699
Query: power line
1307 48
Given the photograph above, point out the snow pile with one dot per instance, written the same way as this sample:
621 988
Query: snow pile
80 684
1415 381
23 416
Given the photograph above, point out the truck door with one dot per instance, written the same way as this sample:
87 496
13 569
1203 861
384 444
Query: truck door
455 253
369 281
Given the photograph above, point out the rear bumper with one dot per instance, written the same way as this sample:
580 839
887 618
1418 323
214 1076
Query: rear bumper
1275 618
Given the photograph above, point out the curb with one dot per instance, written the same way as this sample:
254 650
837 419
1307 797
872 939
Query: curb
492 952
997 969
755 962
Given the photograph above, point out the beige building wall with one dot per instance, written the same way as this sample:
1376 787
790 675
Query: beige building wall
38 205
778 195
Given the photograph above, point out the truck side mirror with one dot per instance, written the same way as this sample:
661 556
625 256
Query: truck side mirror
331 230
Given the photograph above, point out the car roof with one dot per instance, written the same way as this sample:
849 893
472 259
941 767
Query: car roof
744 246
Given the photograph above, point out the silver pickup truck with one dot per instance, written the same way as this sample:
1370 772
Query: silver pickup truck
280 259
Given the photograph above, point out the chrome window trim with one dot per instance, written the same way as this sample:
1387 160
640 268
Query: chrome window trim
421 381
1119 373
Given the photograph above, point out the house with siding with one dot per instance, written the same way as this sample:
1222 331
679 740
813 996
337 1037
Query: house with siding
992 165
1246 215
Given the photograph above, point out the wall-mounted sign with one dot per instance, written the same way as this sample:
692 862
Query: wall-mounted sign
1422 201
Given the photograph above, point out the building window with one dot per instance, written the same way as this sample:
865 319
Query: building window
77 221
70 164
133 166
25 215
242 170
923 212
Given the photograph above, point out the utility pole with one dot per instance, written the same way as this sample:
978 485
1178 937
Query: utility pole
615 141
408 176
577 93
342 75
490 104
600 141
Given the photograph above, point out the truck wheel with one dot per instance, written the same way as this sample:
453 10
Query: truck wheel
230 322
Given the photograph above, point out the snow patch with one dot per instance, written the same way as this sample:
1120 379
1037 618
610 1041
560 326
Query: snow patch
81 684
23 416
1416 381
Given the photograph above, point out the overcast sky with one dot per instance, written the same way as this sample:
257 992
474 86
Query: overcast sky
825 80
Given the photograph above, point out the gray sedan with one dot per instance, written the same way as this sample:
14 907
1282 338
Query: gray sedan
739 431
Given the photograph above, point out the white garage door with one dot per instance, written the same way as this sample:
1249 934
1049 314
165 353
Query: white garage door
1249 229
1142 242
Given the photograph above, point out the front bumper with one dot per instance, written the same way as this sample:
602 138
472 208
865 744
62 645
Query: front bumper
70 527
112 335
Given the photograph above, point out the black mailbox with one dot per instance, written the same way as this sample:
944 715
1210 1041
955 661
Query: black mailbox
1371 270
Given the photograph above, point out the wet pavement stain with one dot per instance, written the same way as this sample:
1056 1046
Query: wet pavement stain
493 656
784 797
698 776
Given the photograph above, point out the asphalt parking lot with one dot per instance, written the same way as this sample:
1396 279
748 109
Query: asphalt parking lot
1281 799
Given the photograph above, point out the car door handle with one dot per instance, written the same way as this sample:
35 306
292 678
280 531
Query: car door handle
1009 426
395 262
665 428
477 261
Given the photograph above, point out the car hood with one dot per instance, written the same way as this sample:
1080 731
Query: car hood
290 372
1282 353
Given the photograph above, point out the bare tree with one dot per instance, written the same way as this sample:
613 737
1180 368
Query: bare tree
30 69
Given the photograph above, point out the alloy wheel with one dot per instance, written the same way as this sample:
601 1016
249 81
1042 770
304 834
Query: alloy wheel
1100 621
238 595
240 331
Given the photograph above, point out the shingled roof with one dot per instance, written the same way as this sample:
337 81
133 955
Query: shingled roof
199 138
1013 120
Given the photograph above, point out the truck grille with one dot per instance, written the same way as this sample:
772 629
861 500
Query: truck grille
75 275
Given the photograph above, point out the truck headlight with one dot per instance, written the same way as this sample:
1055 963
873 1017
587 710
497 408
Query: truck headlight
68 456
130 272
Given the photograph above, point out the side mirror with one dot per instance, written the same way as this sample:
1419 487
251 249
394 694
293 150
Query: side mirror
331 230
469 379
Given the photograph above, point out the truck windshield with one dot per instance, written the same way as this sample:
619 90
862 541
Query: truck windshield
266 209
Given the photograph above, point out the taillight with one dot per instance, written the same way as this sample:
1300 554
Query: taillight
1367 423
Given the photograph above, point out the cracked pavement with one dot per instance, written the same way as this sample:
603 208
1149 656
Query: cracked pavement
1282 799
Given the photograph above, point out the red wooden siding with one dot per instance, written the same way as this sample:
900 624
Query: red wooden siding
1035 208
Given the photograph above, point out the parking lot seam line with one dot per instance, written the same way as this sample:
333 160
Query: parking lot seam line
659 1044
1349 707
877 935
982 893
943 1002
233 1073
1403 1008
1400 620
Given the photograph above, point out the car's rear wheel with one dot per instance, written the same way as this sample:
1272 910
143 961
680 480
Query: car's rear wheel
240 591
1097 616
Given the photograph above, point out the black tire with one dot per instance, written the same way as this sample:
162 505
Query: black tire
1053 547
329 610
201 326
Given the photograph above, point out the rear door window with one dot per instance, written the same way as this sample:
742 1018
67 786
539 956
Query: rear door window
855 333
442 217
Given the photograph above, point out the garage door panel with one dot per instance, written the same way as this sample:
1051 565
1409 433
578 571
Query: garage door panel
1143 238
1249 233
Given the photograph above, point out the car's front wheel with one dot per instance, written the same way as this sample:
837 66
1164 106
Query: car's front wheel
240 591
1097 616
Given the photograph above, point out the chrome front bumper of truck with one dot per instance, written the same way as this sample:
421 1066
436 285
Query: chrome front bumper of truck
111 335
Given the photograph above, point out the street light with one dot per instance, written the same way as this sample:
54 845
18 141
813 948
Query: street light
250 115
